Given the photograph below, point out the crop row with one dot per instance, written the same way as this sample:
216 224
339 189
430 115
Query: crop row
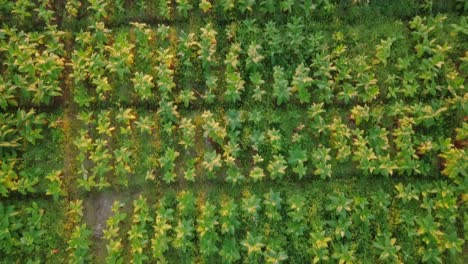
23 13
29 231
31 14
188 67
29 159
114 147
417 224
413 223
249 61
235 146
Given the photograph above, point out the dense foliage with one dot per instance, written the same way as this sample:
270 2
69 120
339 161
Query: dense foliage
223 131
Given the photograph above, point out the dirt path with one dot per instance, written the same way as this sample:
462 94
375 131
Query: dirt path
97 205
97 209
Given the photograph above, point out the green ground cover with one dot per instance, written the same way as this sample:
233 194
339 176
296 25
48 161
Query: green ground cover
224 131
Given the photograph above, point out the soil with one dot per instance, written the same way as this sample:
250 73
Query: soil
97 209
